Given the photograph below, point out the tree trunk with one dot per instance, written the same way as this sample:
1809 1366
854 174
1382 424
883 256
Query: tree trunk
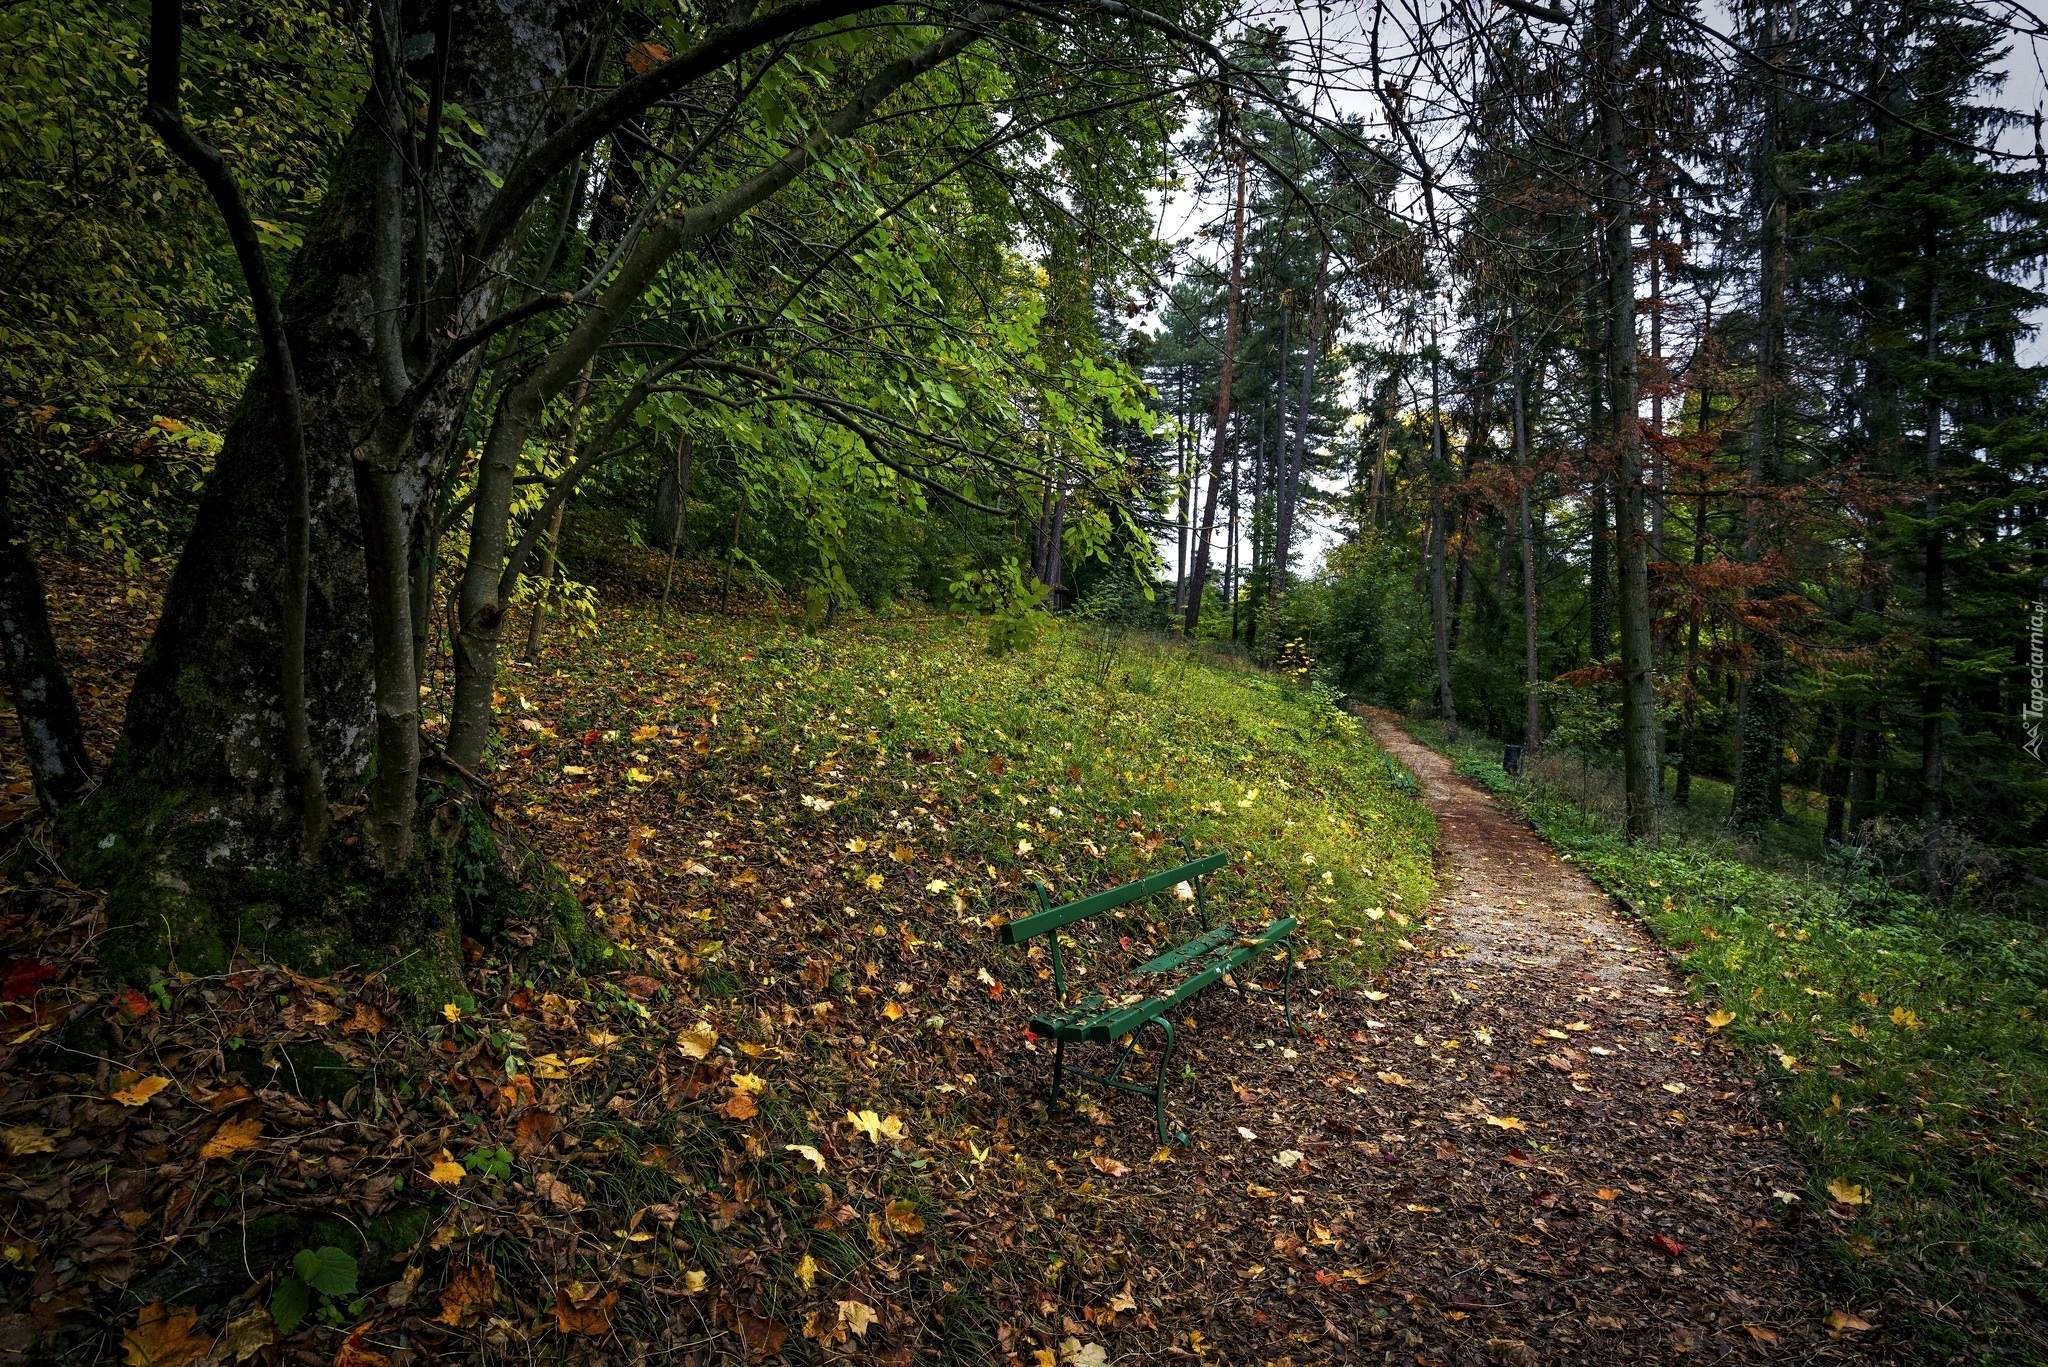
52 736
1933 609
1532 733
545 577
200 797
1199 582
1439 609
1642 766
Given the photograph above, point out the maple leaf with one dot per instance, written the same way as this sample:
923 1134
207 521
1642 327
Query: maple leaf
807 1151
1719 1017
1102 1162
903 854
139 1092
1905 1019
446 1171
807 1271
750 1083
233 1137
1847 1192
162 1337
740 1106
904 1219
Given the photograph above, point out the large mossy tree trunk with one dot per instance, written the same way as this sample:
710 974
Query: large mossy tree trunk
194 829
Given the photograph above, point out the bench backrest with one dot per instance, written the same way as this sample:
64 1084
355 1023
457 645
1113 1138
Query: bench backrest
1052 918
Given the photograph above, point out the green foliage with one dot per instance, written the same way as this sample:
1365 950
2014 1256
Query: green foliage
328 1270
124 328
1013 605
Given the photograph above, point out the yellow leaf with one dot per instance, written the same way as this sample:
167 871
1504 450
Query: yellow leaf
894 1011
698 1041
856 1317
1555 1034
601 1039
893 1127
451 1013
857 845
751 1083
1789 1062
1373 996
648 732
1505 1122
807 1270
903 854
22 1140
1718 1018
904 1219
1905 1019
233 1137
139 1093
446 1171
694 1279
1843 1321
874 882
867 1123
807 1151
639 776
1849 1194
1254 1190
163 1337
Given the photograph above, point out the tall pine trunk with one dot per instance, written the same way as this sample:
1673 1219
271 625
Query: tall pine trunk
1200 579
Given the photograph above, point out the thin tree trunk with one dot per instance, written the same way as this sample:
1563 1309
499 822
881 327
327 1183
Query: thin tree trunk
1933 609
1290 493
1532 734
1439 611
52 736
1201 575
685 468
546 575
1642 767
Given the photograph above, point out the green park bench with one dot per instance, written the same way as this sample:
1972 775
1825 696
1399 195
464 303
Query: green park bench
1154 988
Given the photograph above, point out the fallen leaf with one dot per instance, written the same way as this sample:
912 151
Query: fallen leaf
1607 1194
1102 1162
807 1271
580 1308
698 1041
557 1193
139 1092
246 1336
451 1012
750 1083
1759 1333
162 1337
469 1293
1393 1079
1719 1017
446 1170
236 1135
1843 1321
535 1130
1253 1189
894 1011
807 1151
1608 1322
22 1140
1905 1019
1847 1192
1287 1158
903 854
366 1020
904 1219
1664 1243
1075 1353
1123 1300
856 1317
740 1106
1506 1122
761 1337
354 1354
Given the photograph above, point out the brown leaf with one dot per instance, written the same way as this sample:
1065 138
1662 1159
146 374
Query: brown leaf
762 1337
246 1337
163 1337
740 1106
580 1308
1842 1321
140 1091
557 1193
367 1020
535 1131
469 1294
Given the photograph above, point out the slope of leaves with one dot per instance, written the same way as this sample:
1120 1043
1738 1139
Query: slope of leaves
786 1105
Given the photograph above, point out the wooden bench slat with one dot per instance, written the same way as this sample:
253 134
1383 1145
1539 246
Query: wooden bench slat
1038 923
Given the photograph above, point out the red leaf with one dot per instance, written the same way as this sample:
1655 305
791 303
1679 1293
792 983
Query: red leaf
20 978
1664 1243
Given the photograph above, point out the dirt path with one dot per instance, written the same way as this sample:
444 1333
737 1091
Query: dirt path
1643 1210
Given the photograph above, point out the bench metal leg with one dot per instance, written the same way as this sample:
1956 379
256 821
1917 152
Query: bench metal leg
1059 1068
1159 1080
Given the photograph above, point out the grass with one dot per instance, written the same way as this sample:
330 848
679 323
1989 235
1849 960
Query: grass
1905 1045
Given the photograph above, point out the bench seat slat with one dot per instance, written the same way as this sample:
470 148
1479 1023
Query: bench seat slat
1218 953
